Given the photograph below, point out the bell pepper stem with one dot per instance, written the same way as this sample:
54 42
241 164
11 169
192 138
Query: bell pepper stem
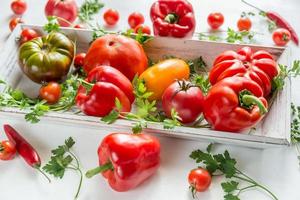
250 100
171 18
100 169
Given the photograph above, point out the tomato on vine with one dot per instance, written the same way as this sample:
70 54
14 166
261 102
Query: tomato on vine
51 92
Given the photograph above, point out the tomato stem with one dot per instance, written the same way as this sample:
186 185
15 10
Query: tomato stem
171 18
100 169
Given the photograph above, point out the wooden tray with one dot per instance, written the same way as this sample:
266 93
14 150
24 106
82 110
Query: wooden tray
273 130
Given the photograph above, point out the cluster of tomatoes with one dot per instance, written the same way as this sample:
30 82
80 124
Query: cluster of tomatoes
280 36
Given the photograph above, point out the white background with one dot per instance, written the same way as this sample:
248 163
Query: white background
277 168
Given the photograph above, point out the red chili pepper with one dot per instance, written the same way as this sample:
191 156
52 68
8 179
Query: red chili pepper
26 151
234 104
258 66
279 21
173 18
126 160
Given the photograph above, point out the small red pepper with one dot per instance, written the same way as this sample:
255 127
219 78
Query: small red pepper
173 18
234 104
26 151
126 160
279 21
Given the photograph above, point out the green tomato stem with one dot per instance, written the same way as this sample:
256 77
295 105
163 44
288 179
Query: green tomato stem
100 169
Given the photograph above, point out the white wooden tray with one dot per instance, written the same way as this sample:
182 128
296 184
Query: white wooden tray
273 130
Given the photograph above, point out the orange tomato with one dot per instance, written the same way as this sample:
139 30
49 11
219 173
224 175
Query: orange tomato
244 24
158 77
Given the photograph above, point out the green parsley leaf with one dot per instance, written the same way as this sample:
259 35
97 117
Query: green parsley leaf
231 197
197 66
202 82
52 24
230 186
174 121
111 117
88 9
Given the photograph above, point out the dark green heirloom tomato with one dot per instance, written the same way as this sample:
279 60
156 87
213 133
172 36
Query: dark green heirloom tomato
47 58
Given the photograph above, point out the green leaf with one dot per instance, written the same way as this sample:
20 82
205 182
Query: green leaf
230 186
202 81
111 117
69 143
209 147
197 65
138 127
52 25
207 159
231 197
118 104
88 9
174 121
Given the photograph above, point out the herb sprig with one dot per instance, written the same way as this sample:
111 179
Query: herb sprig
52 25
63 159
88 9
226 165
295 128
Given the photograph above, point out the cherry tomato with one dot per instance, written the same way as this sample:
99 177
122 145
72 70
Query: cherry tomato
27 35
111 17
51 92
281 36
135 19
7 150
145 29
79 26
18 6
215 20
186 99
158 77
14 21
244 24
79 60
199 180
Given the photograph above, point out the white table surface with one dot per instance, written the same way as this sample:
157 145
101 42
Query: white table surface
277 168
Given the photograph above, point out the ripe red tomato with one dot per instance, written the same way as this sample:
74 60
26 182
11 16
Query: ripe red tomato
51 92
14 22
118 51
145 29
27 35
66 10
79 26
199 180
18 6
79 60
244 24
186 99
111 17
135 19
7 150
281 36
215 20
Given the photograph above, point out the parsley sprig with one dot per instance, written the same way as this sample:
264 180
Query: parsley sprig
295 128
174 121
202 81
88 9
226 165
63 159
52 25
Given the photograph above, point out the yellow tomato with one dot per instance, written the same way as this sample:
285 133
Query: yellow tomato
158 77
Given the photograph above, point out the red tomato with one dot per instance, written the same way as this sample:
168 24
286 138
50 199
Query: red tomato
27 35
18 6
135 19
145 29
215 20
186 99
199 180
14 22
109 74
51 92
281 36
244 24
66 9
7 150
118 51
79 60
111 17
80 26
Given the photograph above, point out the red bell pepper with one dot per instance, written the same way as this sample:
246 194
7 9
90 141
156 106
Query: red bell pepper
258 66
234 104
127 160
173 18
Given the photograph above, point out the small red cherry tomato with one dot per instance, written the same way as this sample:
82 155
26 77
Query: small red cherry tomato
14 21
186 99
215 20
18 6
244 24
135 19
7 150
281 36
79 26
51 92
27 35
199 180
111 17
79 60
145 29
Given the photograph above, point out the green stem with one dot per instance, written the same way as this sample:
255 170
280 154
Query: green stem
249 100
80 183
251 5
171 18
45 175
100 169
245 188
